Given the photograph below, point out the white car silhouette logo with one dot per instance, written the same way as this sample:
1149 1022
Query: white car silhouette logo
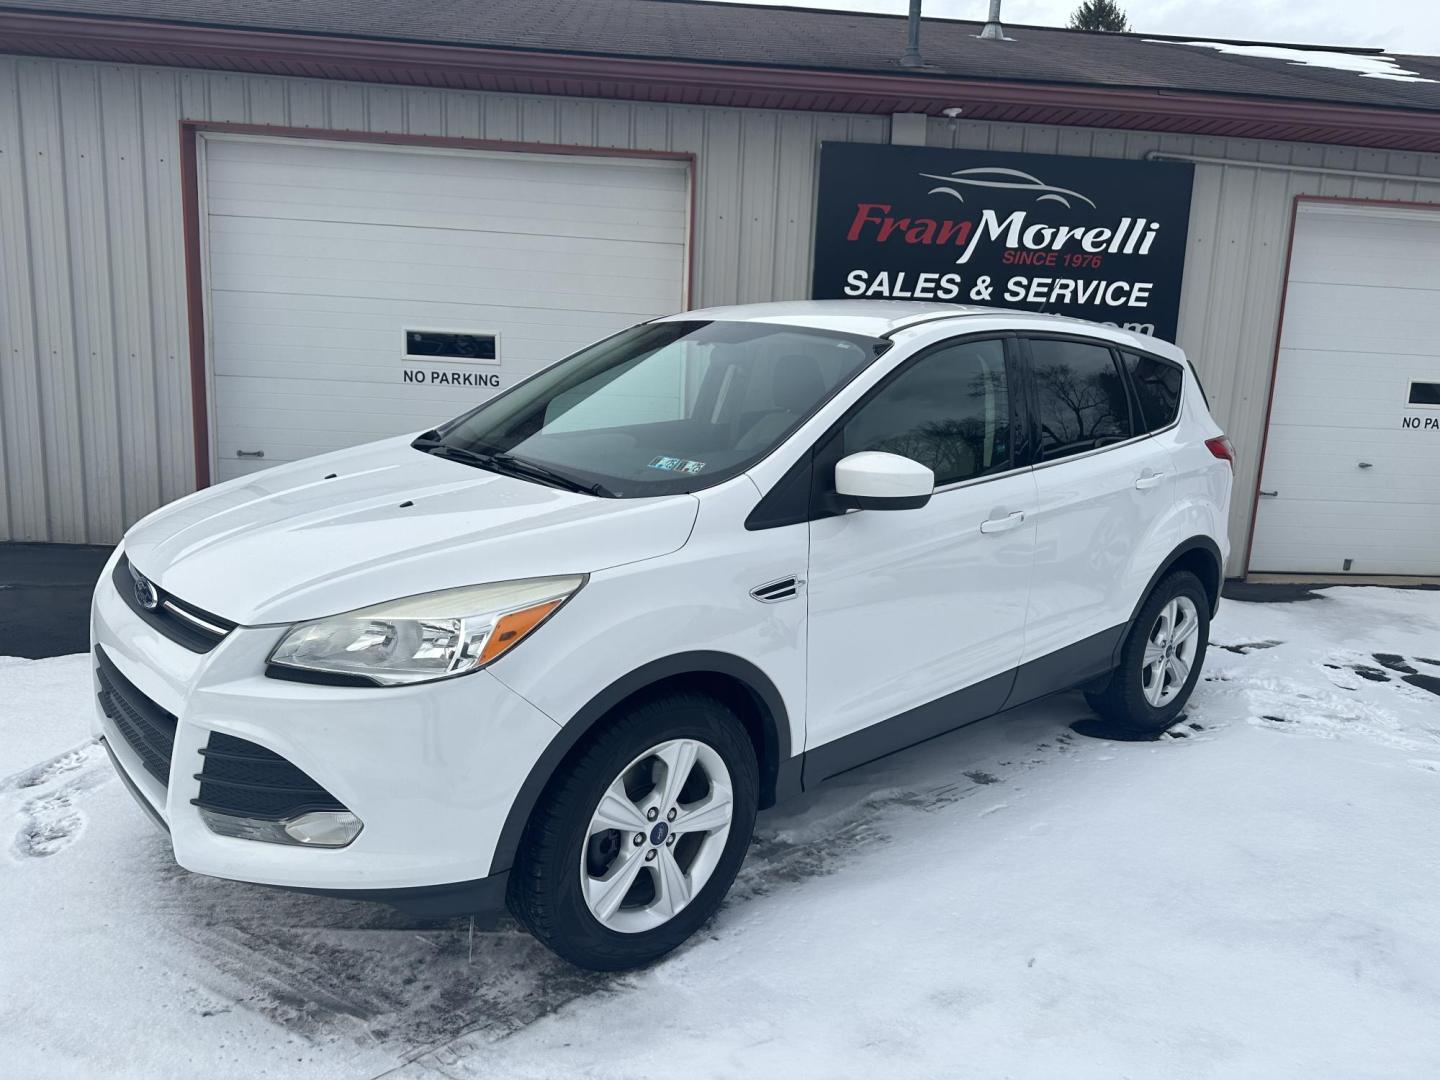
1003 178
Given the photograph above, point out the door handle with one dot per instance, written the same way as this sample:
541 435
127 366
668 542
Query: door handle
1005 524
249 453
1149 480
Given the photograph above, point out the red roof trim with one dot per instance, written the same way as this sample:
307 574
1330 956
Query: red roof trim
740 86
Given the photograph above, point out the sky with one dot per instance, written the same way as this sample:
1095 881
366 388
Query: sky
1401 26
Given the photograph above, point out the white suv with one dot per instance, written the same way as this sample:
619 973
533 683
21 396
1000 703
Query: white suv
557 652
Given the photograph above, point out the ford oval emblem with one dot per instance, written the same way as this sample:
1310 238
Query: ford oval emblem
145 593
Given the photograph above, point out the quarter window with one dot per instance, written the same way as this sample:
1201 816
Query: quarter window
1080 397
1157 386
950 411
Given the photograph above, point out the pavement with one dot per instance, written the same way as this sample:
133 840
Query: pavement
45 596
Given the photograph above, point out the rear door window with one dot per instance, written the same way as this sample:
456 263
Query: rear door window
1157 386
1080 398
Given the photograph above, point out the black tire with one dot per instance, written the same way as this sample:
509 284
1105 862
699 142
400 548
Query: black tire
545 891
1122 702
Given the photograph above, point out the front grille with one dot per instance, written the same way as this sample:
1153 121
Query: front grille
147 728
247 780
185 624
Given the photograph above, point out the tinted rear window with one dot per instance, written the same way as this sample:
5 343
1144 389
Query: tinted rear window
1157 386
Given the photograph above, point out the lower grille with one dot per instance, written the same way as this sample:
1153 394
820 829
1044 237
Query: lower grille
246 780
148 729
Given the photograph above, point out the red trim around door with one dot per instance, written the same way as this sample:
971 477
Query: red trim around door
190 207
1280 329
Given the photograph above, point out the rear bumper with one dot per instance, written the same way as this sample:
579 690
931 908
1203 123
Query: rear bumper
431 771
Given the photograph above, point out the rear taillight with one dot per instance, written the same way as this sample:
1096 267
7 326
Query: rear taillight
1221 448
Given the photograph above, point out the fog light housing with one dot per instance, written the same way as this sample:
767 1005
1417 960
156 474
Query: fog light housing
319 828
324 828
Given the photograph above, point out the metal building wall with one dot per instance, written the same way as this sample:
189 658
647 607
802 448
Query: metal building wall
95 426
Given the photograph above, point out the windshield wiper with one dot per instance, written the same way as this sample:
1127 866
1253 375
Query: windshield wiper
511 466
536 471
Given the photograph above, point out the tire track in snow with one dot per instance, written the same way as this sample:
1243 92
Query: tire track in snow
785 857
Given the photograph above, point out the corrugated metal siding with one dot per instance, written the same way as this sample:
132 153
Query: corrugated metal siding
95 423
95 426
1235 258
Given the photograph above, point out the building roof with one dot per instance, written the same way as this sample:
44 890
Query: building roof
768 56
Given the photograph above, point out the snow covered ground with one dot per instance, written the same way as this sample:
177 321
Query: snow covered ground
1254 895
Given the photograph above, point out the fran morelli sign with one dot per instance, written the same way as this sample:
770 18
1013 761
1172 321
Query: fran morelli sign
1093 238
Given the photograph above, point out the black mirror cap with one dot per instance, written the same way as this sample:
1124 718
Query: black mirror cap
905 502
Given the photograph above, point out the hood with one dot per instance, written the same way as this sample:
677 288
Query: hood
344 530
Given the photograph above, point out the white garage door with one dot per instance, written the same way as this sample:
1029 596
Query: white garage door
1351 477
359 291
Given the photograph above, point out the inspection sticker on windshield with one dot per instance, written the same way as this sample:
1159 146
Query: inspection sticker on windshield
675 464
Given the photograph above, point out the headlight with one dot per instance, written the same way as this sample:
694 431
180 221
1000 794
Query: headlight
430 636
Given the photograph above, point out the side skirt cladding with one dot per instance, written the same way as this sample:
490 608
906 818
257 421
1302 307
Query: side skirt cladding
1064 669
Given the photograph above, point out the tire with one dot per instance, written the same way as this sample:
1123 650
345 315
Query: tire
572 866
1132 701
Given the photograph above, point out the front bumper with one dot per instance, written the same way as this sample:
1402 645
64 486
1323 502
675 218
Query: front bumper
430 770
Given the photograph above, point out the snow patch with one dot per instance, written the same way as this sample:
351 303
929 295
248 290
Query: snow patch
1271 864
1366 65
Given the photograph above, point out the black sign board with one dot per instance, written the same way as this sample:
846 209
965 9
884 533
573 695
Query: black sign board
1093 238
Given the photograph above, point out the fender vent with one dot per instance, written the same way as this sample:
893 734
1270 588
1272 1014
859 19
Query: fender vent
787 588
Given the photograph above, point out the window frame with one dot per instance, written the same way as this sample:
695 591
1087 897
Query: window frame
1033 399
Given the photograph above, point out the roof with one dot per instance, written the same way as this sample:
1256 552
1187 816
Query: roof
871 318
877 318
791 58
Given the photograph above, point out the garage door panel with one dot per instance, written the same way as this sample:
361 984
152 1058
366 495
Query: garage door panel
538 197
465 217
1343 249
420 293
232 469
246 311
259 159
1362 319
341 249
269 238
1315 539
323 277
1319 387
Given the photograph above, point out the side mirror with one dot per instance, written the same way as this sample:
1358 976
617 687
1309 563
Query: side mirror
876 481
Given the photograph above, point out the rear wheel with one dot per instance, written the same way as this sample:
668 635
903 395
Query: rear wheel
638 841
1161 659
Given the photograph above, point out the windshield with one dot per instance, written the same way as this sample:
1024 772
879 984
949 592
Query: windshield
661 408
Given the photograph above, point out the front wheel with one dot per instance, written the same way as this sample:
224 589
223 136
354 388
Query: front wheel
640 838
1161 659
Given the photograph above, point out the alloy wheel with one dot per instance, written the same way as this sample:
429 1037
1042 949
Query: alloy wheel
656 836
1170 651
